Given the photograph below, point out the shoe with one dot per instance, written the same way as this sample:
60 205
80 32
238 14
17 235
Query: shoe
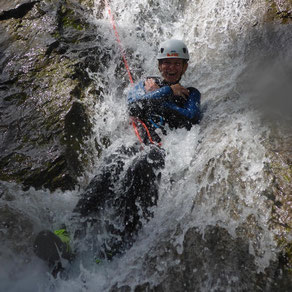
50 248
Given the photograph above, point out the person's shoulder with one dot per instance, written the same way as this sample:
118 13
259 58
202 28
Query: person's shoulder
194 93
194 90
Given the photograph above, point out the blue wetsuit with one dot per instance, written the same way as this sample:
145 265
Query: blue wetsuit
160 107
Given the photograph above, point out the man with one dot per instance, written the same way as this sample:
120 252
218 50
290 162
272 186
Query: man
114 205
155 103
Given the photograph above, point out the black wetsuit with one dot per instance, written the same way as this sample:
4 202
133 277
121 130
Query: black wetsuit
119 198
129 190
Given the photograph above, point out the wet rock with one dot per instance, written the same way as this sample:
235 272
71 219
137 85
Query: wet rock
46 48
14 228
6 6
279 173
279 11
268 82
283 5
208 260
214 256
5 194
16 9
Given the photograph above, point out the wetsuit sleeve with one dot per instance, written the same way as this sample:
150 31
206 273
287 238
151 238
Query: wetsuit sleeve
191 109
140 101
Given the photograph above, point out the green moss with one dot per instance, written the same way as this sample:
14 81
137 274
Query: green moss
87 3
56 35
69 22
281 171
287 178
273 14
286 247
69 19
14 173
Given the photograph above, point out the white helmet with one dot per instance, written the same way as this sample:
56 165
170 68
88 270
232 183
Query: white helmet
173 49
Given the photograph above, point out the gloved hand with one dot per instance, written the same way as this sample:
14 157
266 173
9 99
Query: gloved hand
179 90
180 94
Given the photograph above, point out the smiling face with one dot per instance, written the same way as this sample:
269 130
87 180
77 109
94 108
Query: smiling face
172 69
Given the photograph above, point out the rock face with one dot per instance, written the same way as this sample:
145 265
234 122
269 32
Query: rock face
280 11
45 49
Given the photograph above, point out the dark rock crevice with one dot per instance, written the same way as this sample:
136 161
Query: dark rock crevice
17 12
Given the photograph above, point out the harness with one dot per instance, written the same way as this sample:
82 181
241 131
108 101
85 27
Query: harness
136 121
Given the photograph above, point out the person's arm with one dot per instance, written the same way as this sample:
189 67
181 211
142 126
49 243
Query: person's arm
191 109
138 93
141 101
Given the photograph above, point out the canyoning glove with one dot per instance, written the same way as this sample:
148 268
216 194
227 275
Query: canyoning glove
64 236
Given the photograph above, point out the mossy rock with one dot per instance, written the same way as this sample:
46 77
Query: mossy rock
43 86
279 11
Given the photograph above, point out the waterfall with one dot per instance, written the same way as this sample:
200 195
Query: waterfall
215 174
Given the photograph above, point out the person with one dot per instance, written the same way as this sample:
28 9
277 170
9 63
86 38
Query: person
155 102
120 198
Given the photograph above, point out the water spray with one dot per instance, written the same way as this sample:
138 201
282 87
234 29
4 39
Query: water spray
122 50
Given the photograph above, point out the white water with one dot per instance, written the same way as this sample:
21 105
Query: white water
217 34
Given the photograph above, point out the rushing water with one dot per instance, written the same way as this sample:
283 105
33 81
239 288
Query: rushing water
195 189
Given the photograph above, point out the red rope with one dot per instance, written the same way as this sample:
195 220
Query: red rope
130 78
134 121
136 131
119 42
